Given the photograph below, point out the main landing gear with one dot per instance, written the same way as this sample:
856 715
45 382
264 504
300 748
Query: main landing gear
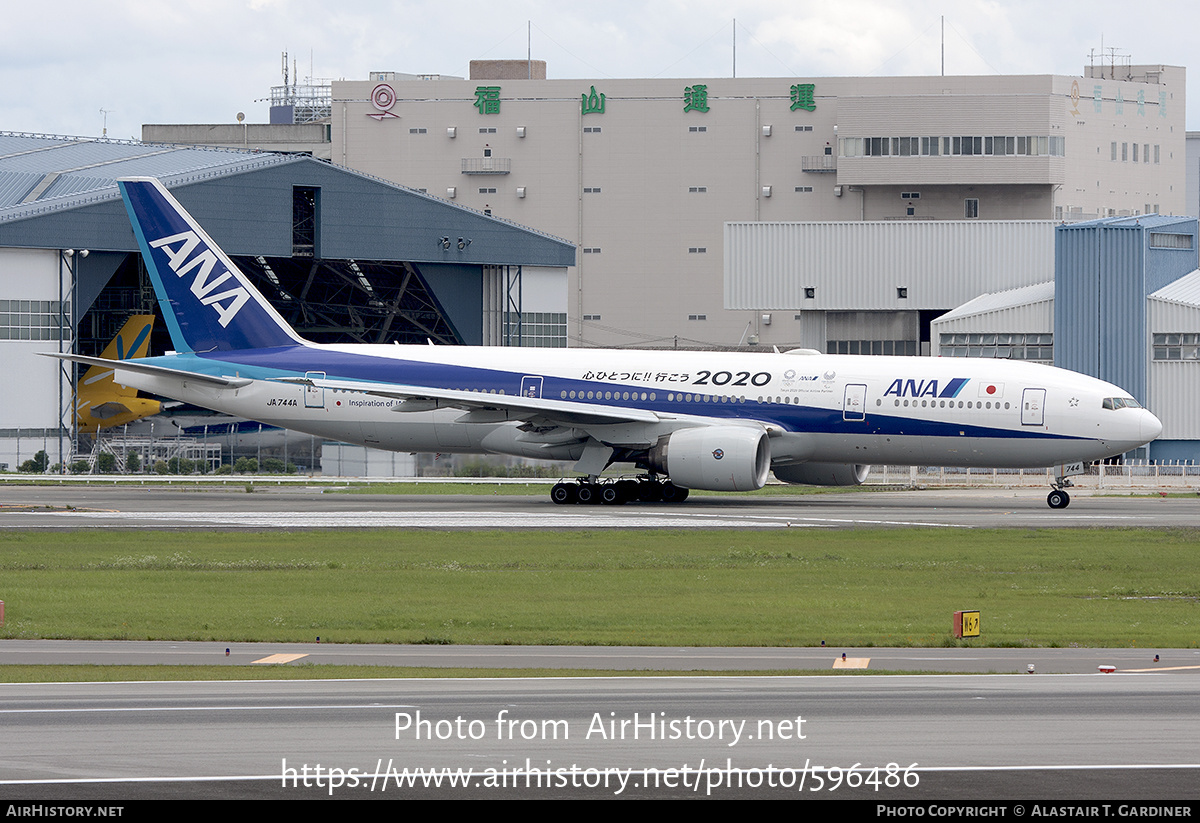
616 492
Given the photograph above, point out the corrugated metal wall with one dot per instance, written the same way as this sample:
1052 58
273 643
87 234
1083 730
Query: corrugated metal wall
860 266
1104 271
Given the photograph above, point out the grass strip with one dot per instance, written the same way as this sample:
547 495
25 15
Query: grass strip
1116 588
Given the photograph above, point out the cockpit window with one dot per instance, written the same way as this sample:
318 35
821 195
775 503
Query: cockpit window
1121 403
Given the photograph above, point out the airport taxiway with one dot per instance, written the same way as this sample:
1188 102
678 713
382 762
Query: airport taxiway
269 507
1066 737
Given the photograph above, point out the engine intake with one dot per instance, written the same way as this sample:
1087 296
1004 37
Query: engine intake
718 458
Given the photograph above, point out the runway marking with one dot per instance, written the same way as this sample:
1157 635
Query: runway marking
485 773
279 658
851 663
476 520
1162 669
215 708
439 520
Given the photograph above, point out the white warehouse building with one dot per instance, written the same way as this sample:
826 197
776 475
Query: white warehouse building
643 175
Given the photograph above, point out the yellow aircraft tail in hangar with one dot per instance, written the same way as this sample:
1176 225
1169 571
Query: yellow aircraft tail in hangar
102 403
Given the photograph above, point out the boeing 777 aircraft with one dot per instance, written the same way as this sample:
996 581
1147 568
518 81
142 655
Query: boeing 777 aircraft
686 420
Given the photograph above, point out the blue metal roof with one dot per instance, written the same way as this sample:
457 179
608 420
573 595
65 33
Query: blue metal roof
40 173
1147 221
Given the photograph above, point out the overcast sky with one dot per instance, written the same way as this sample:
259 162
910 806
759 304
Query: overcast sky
203 61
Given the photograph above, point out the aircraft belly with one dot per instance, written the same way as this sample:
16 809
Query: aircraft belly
994 452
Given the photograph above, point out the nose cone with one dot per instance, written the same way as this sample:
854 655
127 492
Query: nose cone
1151 426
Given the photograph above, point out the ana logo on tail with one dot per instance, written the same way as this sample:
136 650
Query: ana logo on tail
203 284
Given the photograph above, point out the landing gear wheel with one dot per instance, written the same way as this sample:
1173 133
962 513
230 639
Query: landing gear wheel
673 494
1058 499
587 494
564 493
610 495
649 491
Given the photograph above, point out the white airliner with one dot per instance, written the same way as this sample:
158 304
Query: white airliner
685 420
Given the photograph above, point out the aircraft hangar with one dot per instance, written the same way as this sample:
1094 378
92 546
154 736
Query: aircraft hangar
344 257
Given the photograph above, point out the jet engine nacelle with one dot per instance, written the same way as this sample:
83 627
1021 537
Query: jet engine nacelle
719 458
823 474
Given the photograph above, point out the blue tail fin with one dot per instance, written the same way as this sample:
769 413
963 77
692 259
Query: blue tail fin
208 303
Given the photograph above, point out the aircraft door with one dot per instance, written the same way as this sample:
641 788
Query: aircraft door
854 403
1033 404
531 387
314 396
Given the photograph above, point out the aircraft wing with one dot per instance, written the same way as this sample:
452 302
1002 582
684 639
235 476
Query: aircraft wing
489 408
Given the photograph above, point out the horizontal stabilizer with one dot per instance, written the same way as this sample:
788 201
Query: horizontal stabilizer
157 371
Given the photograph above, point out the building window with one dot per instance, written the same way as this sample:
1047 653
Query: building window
1164 240
1181 346
803 189
697 189
697 317
591 189
33 319
899 348
698 250
910 195
1114 150
972 208
591 317
305 217
592 250
1035 347
803 128
591 129
697 128
547 330
964 146
487 131
487 191
418 131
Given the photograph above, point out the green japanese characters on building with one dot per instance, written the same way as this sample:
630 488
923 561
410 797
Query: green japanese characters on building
695 98
592 103
487 99
802 96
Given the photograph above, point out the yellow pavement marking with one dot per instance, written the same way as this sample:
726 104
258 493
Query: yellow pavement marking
1163 669
279 658
851 663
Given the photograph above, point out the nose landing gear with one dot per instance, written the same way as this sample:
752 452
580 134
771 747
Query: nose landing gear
1059 499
